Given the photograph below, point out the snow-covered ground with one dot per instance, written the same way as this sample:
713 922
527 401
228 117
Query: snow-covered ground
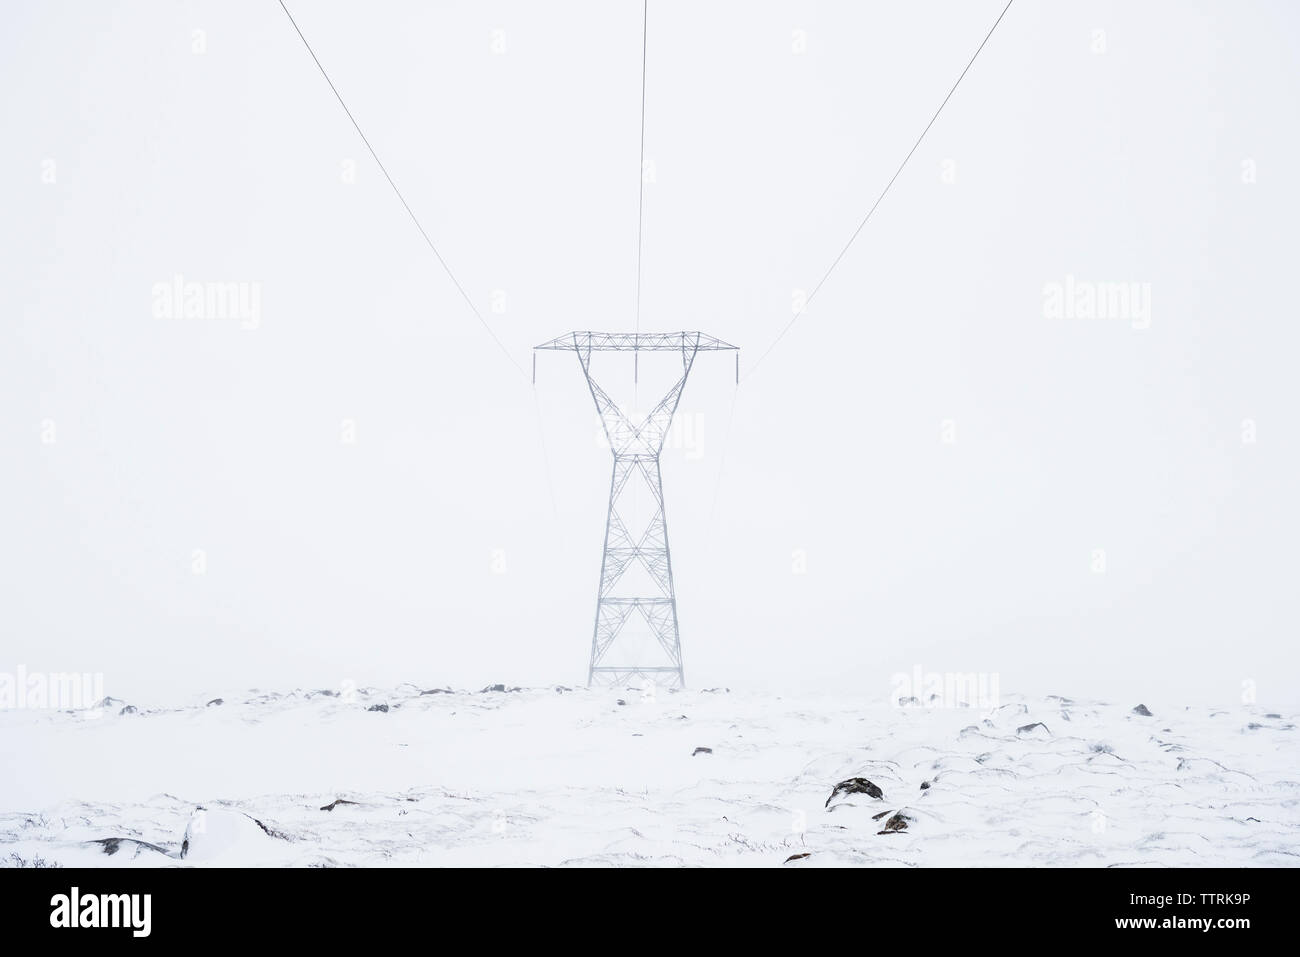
557 776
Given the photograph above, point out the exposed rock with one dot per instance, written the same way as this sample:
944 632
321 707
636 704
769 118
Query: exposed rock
129 709
437 691
895 824
109 702
1142 710
701 751
1035 730
215 703
268 697
797 857
111 845
620 702
925 785
335 803
382 708
856 786
491 688
909 702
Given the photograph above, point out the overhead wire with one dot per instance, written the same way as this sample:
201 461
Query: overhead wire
879 199
541 431
405 205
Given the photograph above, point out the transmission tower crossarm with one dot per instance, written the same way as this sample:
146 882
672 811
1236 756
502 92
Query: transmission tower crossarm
636 342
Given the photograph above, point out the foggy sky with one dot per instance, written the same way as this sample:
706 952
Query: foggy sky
925 471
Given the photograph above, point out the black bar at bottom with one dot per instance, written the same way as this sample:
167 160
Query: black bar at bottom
326 908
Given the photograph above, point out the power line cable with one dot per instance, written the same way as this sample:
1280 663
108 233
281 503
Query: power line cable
407 206
807 302
640 209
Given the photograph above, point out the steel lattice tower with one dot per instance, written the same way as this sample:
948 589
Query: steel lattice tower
639 542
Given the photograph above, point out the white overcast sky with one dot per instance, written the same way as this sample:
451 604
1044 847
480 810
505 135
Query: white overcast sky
1150 143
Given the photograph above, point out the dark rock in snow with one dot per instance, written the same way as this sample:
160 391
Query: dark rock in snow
109 702
129 709
491 688
111 845
270 831
856 786
437 691
1037 729
1142 710
335 803
895 824
701 751
925 785
620 702
382 708
215 703
908 702
1271 715
796 857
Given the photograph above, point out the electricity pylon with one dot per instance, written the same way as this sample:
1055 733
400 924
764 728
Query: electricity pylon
636 568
